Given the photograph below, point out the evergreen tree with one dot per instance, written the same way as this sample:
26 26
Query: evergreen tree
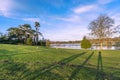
85 43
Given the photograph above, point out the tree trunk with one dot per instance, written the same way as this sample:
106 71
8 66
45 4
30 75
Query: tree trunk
101 45
107 43
36 36
34 40
100 41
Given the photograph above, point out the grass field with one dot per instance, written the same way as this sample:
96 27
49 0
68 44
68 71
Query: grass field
18 62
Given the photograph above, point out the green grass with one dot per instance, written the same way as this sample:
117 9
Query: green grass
18 62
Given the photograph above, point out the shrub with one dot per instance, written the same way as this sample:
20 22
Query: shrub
47 43
85 43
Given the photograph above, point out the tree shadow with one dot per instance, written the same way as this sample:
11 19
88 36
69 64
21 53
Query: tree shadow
45 70
89 73
19 71
10 69
7 54
76 71
13 70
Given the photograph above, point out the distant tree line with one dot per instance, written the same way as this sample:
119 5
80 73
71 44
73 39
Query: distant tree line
23 34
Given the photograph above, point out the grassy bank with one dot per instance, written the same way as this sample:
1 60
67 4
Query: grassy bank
19 62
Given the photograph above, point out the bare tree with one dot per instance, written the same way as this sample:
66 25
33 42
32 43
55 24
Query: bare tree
117 30
101 28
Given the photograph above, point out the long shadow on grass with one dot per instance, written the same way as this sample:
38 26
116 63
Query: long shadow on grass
7 54
99 75
47 69
89 73
10 69
76 71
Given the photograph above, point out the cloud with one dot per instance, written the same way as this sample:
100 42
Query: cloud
71 26
10 8
31 19
70 18
116 18
104 1
83 9
76 17
5 7
67 33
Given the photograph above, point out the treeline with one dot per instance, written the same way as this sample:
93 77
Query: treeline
93 41
24 34
65 42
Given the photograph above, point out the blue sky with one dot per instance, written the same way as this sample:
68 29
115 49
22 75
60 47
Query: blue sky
61 20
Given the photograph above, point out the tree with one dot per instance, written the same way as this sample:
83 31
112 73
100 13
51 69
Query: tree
26 31
117 30
21 33
29 41
85 43
13 32
47 43
102 28
37 25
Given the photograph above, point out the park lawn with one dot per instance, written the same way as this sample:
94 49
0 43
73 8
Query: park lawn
20 62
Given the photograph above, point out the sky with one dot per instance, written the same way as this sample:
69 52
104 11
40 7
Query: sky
60 20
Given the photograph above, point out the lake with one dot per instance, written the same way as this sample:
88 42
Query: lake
77 46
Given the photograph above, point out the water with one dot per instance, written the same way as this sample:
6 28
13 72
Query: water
77 46
69 46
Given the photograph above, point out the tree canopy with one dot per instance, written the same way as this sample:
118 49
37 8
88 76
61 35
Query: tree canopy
23 34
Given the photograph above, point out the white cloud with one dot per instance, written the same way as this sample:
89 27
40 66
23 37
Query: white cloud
73 26
66 32
70 18
31 19
104 1
59 28
83 9
116 17
6 7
